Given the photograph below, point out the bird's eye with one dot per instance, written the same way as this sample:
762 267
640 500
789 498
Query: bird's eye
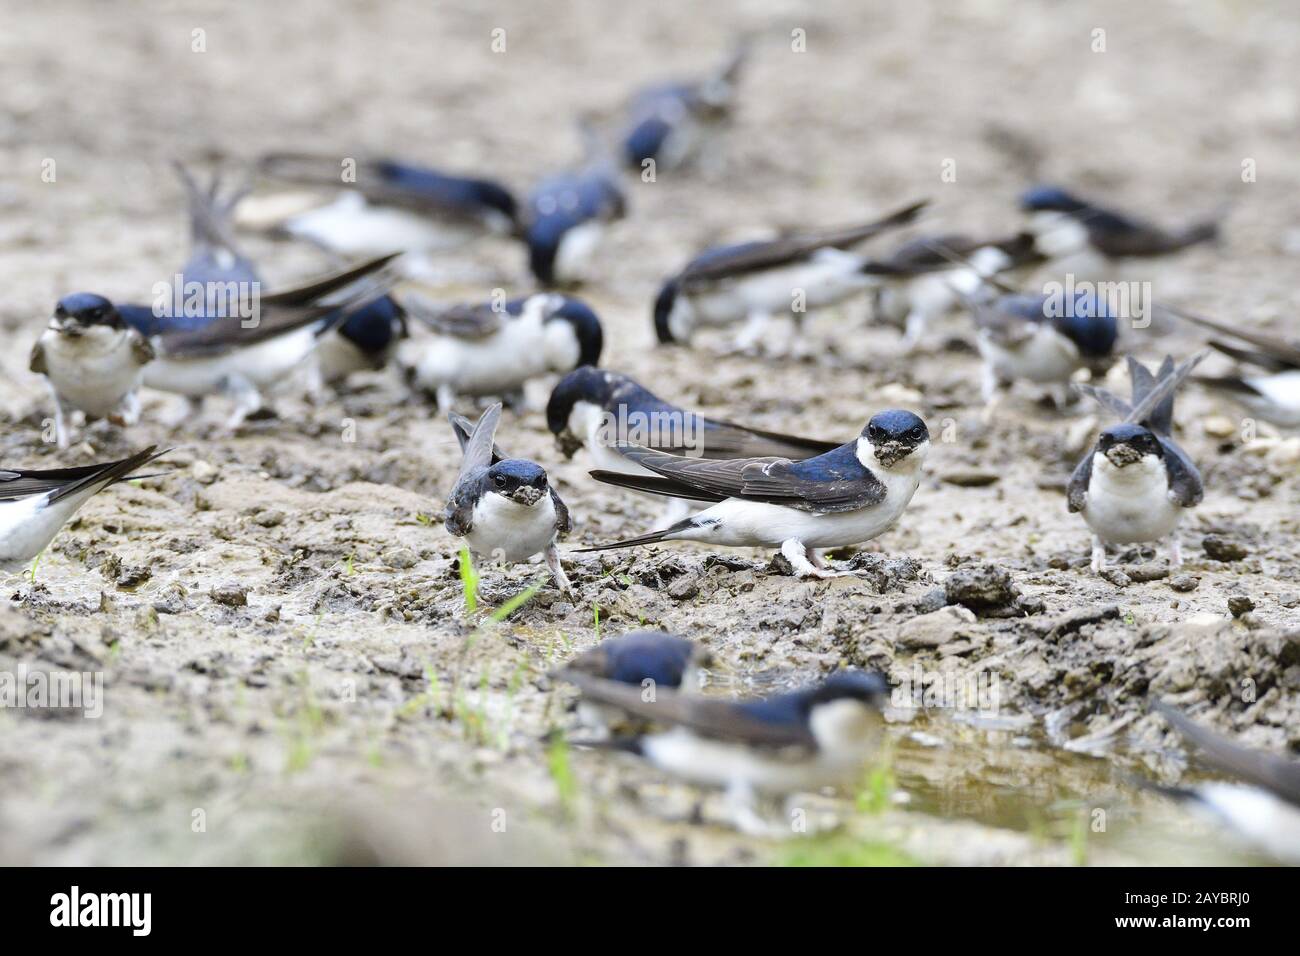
500 481
916 432
873 431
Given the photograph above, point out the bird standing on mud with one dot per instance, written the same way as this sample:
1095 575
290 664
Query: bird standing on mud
504 508
844 497
602 410
1135 484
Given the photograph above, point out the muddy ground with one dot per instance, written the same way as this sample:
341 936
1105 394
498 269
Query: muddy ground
279 621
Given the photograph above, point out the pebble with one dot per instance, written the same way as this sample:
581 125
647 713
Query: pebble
401 558
969 477
232 595
204 473
1184 583
1239 604
980 587
936 628
1116 577
1223 549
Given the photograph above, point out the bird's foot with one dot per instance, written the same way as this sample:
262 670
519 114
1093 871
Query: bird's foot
806 564
1098 555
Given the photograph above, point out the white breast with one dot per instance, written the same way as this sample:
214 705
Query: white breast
93 371
504 530
1130 505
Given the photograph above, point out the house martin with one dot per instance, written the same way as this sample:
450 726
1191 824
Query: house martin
1042 339
495 348
1083 238
601 410
670 123
504 508
777 746
1263 806
754 281
34 505
843 497
1135 483
565 218
391 206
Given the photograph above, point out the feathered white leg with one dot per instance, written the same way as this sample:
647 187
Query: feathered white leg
752 332
1098 555
805 562
1175 550
557 571
246 397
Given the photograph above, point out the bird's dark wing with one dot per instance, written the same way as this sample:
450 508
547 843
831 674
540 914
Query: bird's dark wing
1008 320
1076 492
479 447
1278 348
463 428
743 259
829 483
1106 399
1263 360
926 254
461 321
1158 399
715 719
1184 477
278 314
1279 776
458 515
390 183
214 254
16 484
721 439
563 521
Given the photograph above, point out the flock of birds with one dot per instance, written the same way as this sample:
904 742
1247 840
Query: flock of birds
728 484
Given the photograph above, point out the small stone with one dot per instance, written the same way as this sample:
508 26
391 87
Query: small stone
969 477
1116 577
132 576
936 628
1184 583
1147 572
684 587
231 595
1223 549
269 517
932 600
1239 604
1289 599
272 614
983 586
204 473
1219 426
401 558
